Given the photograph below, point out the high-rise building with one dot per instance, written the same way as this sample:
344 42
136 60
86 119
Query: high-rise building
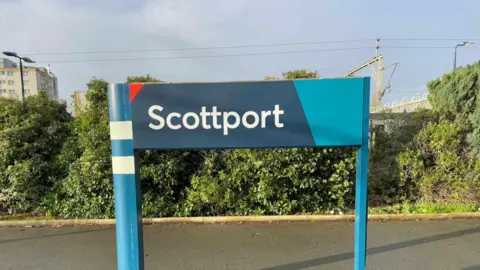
35 80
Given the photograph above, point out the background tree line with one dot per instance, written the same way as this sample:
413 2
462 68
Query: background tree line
52 163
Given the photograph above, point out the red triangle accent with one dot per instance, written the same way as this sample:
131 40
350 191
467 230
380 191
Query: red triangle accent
134 90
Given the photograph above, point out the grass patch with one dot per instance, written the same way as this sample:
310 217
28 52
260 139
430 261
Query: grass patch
425 208
25 217
419 208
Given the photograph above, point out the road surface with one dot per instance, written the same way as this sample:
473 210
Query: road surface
277 246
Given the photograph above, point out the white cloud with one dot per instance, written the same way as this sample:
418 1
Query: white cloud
46 26
196 21
36 26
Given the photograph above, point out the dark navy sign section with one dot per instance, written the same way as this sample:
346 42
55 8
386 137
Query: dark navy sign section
303 113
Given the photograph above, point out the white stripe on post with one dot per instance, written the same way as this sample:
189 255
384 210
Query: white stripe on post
121 130
123 165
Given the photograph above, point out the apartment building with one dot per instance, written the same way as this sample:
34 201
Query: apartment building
36 79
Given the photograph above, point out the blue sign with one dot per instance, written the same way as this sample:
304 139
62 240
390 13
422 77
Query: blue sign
305 113
260 114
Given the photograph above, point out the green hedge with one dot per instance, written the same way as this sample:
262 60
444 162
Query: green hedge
56 165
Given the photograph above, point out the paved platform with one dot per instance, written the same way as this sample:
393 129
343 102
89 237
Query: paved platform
404 245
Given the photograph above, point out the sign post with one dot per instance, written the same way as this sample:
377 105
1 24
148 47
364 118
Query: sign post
361 206
126 180
261 114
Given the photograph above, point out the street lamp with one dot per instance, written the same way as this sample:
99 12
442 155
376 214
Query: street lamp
463 44
26 59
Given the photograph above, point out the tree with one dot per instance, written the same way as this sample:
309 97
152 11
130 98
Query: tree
438 167
87 191
142 79
32 134
300 74
422 157
295 74
385 184
456 96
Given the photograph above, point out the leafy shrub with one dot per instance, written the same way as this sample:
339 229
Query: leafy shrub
425 161
272 181
165 175
388 142
32 135
87 190
440 167
456 96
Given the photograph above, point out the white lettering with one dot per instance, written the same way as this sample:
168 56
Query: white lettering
204 115
255 121
220 120
215 114
151 113
277 112
195 123
265 114
227 125
169 120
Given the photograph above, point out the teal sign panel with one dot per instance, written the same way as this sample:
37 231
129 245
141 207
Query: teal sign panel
301 113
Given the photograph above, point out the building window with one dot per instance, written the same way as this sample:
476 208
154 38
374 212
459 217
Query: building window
27 92
11 91
2 72
11 82
3 82
4 91
25 73
9 73
25 82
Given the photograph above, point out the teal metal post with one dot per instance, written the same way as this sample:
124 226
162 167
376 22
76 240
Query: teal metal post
126 181
361 206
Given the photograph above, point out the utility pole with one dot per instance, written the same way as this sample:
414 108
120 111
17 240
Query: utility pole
379 76
377 73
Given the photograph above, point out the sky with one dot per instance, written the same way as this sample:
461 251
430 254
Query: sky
420 35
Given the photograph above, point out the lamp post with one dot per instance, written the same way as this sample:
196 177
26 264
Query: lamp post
26 59
463 44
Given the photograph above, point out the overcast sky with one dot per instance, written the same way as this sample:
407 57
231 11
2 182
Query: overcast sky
57 26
